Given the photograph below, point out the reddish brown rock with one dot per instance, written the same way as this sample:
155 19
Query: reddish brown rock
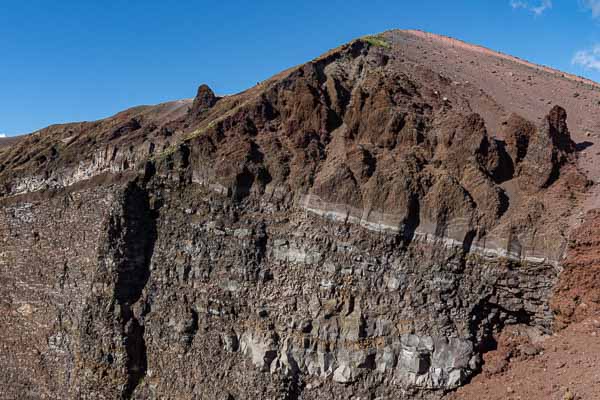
204 100
547 151
517 134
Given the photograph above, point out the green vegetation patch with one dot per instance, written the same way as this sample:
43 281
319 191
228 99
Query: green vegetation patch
377 41
165 153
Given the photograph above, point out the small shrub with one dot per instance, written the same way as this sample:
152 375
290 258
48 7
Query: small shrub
378 41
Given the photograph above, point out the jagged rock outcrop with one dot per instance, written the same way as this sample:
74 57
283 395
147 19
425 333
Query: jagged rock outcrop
204 100
546 152
349 227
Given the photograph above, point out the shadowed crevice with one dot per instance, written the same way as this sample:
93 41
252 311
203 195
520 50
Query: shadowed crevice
138 236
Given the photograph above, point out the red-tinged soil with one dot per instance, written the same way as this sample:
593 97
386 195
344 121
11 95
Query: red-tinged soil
561 367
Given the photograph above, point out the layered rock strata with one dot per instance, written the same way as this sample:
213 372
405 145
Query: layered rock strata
344 228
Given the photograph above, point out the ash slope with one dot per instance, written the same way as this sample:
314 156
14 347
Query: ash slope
362 224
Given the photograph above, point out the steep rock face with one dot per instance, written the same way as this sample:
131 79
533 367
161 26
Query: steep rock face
112 352
283 301
348 227
47 258
64 155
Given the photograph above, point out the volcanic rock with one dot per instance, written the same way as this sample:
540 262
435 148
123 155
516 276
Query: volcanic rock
360 224
204 100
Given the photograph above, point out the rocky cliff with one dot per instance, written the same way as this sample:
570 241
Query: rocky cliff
360 225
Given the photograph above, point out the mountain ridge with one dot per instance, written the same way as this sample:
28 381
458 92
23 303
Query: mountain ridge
486 50
415 32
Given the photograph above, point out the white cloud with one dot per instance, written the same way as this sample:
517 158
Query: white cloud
594 6
588 59
2 135
538 8
518 4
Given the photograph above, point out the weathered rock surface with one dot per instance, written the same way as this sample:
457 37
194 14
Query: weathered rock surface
204 100
342 229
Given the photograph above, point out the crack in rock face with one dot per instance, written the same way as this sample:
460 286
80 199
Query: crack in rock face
112 339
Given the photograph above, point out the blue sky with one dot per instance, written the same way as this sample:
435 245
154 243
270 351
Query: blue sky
78 60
